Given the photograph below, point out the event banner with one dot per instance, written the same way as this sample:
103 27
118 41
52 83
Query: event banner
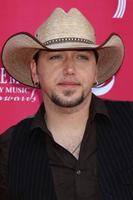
18 101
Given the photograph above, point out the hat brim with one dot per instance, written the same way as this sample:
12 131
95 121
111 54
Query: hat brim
18 51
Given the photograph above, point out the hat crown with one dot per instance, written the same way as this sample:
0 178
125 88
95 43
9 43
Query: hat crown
65 25
61 31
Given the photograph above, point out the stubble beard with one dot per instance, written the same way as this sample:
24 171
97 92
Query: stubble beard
65 103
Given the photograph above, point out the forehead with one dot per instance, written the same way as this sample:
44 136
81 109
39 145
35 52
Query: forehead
67 51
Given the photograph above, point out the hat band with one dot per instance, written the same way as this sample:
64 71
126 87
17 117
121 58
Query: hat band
69 39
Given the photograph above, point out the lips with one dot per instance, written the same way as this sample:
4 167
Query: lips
68 84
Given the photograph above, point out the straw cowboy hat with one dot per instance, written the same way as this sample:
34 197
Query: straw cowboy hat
61 31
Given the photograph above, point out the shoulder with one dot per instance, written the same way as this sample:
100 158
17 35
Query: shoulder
119 107
121 115
7 135
119 103
6 139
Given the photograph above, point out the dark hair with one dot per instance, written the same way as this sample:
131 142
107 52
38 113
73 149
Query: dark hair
36 56
96 55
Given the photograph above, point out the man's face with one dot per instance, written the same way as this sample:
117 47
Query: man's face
66 77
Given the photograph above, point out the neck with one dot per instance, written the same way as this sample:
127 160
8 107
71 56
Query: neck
60 116
67 125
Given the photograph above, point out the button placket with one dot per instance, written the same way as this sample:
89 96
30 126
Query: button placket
78 172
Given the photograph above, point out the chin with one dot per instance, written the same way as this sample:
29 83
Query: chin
67 101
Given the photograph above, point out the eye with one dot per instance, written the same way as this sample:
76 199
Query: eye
55 57
83 57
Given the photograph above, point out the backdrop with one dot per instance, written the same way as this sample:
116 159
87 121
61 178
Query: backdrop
18 101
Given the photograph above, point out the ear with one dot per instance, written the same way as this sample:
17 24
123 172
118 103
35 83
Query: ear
33 68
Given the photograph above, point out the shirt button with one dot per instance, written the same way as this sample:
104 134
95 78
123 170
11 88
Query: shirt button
78 172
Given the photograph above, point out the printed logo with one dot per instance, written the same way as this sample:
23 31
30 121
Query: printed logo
12 90
120 9
104 88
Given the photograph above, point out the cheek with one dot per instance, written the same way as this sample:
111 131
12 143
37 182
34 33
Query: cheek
47 79
89 75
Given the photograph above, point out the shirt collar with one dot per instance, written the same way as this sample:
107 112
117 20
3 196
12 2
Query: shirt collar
97 107
39 120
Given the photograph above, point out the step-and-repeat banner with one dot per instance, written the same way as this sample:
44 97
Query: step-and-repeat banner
18 101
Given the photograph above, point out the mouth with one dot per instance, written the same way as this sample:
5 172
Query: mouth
70 84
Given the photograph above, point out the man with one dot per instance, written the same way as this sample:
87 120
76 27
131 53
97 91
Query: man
77 146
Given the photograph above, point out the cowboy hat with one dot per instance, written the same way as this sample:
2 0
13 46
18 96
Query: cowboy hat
61 31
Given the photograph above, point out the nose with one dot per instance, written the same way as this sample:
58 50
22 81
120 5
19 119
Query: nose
69 66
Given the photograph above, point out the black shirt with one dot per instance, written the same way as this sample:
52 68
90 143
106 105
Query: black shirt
73 179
